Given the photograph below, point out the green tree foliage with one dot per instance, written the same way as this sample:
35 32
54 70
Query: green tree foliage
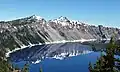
16 67
5 67
107 62
4 64
26 68
41 69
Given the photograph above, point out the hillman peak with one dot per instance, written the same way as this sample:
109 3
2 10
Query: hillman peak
36 30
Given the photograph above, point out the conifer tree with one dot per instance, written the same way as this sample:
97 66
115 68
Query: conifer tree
107 63
26 68
41 69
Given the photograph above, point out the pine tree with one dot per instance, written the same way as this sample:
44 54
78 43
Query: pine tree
26 68
41 69
106 63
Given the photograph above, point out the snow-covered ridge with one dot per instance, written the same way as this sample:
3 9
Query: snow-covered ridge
61 20
51 32
37 17
64 21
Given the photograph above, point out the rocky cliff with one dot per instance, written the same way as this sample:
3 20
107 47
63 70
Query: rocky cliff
34 30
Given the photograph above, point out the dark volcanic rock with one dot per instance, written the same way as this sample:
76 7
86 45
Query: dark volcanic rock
36 30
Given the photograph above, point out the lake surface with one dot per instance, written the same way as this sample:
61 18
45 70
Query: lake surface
67 57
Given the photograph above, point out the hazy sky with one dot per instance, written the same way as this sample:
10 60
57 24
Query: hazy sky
106 12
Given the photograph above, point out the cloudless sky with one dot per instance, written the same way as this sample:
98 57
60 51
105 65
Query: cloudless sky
105 12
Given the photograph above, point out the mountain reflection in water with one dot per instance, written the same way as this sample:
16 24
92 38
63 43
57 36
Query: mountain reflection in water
52 54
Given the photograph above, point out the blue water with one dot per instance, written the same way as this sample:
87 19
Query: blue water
73 64
78 63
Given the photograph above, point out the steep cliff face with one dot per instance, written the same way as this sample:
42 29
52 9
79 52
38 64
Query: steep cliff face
34 30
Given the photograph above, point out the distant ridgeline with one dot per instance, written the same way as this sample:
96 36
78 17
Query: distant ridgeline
35 30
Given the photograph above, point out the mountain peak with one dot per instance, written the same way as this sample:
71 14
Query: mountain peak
61 18
36 17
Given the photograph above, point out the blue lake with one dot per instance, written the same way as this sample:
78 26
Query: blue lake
68 57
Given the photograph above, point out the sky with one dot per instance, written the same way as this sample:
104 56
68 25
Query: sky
98 12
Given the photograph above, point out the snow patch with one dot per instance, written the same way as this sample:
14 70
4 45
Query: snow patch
37 17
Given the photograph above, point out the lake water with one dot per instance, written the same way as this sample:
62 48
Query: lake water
67 57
